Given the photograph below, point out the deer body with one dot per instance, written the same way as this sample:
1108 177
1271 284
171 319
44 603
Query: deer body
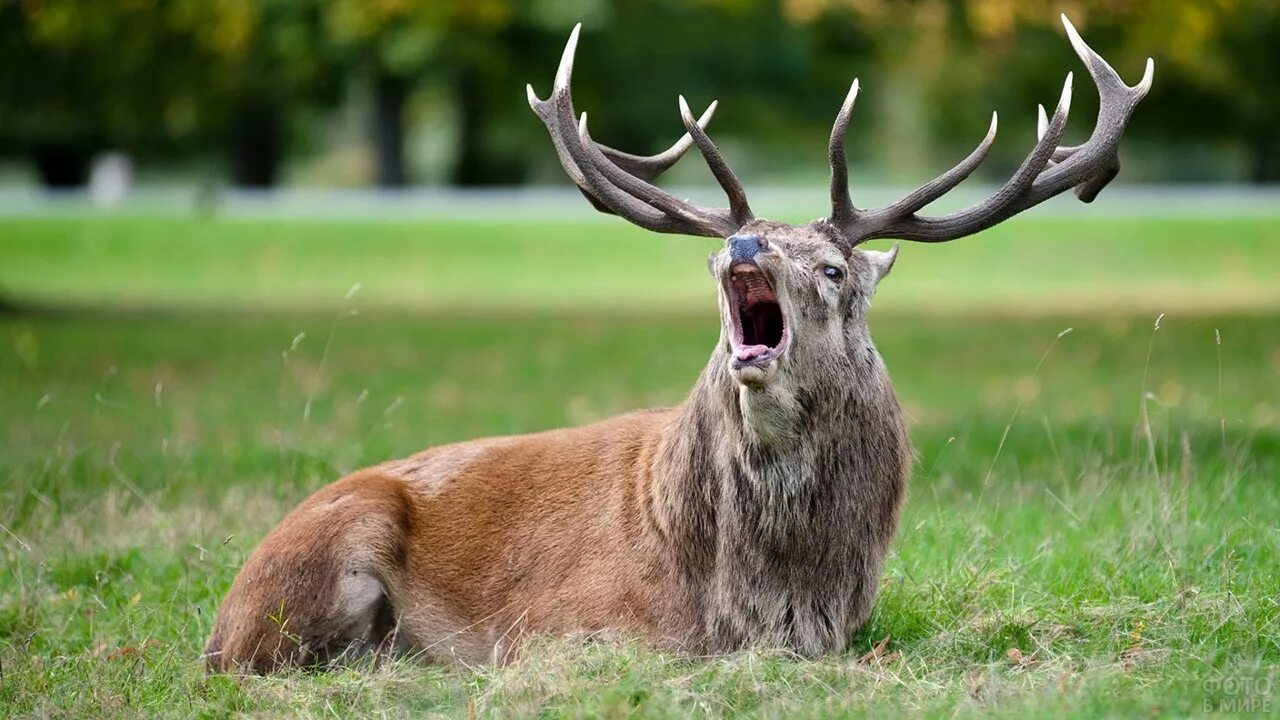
743 516
757 512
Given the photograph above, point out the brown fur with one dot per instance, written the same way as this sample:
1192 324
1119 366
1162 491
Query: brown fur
757 512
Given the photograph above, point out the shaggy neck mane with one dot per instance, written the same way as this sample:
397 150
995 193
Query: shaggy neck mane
771 529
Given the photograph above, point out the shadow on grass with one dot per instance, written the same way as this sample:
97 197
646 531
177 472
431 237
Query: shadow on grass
9 306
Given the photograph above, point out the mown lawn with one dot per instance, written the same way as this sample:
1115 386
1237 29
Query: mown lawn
1026 266
1092 527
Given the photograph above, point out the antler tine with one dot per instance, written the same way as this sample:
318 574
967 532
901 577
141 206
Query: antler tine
899 219
617 182
644 167
596 184
947 182
637 188
842 207
650 167
558 115
1104 76
1042 124
1116 102
1047 171
1060 154
739 210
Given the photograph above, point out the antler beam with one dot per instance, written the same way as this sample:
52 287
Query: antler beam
1047 171
620 183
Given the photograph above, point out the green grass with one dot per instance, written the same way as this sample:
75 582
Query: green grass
1060 553
1028 265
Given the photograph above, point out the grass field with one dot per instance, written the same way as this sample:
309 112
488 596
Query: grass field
1092 526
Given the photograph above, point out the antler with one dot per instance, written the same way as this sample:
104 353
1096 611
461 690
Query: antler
1047 171
620 183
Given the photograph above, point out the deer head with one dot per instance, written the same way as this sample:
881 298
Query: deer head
795 296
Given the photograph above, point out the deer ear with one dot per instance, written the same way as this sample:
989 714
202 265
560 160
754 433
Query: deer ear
882 262
711 263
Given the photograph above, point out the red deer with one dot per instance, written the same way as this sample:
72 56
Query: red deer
756 513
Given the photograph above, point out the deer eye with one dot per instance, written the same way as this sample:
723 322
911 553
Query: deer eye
832 272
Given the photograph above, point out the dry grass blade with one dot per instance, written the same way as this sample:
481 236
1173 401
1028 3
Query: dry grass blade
876 653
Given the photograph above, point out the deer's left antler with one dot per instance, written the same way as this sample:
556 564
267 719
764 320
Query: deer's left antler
1047 171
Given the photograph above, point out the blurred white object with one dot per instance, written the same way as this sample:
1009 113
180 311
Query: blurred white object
110 178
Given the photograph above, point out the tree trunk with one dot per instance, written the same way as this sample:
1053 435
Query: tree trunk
390 93
469 168
1266 160
62 166
257 144
478 164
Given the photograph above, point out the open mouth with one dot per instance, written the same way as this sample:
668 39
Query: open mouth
759 330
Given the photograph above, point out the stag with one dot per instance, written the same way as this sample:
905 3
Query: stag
756 513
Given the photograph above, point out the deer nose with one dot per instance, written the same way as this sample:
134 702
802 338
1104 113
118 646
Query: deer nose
746 247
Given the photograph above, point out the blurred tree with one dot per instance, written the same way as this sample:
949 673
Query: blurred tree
78 87
1221 55
484 51
952 60
156 76
396 44
1220 62
636 56
273 62
168 77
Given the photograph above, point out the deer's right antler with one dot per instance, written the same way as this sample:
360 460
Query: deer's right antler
620 183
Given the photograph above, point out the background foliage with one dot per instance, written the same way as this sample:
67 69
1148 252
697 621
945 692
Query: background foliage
396 91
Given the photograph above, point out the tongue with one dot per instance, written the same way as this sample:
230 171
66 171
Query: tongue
750 352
